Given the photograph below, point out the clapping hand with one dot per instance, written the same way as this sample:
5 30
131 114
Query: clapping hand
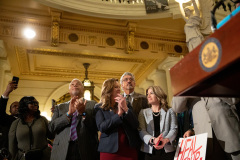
80 105
122 105
72 108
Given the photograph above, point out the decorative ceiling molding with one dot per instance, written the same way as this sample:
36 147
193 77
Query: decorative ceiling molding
99 8
80 55
16 20
66 29
28 64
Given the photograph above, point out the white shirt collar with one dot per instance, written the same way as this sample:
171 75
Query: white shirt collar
131 94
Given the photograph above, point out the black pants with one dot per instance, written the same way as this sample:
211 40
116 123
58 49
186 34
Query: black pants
73 151
160 155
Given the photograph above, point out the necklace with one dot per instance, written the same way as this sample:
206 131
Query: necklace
156 114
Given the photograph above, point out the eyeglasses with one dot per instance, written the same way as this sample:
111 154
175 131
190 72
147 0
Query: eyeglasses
126 79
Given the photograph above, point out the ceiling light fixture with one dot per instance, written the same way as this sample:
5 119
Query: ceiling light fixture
88 85
29 33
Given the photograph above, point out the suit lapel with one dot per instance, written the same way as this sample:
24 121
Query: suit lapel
134 100
162 119
134 104
149 117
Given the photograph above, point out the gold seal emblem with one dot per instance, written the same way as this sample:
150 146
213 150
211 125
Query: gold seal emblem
210 54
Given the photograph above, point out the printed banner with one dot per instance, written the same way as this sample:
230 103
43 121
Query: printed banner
192 148
153 6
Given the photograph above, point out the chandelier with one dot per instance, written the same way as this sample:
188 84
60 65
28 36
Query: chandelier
88 85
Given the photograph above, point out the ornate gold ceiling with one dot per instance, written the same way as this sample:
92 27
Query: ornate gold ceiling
66 40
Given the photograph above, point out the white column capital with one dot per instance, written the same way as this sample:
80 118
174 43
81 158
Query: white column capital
168 63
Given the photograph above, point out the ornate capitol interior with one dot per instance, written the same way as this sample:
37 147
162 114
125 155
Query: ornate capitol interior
113 37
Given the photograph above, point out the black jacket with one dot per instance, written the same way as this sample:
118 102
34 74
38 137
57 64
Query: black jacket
5 123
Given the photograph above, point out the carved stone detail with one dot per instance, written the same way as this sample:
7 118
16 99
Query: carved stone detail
55 28
22 57
91 36
130 39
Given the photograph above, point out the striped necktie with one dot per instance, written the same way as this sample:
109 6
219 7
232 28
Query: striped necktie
128 98
73 127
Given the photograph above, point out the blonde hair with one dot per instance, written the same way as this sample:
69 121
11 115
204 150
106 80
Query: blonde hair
161 96
107 88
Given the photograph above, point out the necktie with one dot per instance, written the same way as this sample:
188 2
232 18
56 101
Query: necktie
128 98
73 127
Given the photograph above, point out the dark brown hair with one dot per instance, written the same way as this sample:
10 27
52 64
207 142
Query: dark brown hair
161 96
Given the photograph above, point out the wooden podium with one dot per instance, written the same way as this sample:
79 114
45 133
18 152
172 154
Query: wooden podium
213 68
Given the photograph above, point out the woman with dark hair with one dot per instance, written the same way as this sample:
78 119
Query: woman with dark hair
117 123
158 126
28 134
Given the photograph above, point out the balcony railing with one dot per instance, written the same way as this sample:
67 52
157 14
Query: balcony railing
116 9
125 1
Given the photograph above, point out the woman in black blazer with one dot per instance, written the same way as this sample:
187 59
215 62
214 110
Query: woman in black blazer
117 124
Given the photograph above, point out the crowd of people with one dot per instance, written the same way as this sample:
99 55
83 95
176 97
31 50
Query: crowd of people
122 126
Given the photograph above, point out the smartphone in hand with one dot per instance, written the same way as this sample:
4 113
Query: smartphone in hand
53 102
15 79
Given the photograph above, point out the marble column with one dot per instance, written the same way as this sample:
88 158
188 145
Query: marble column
4 67
145 84
159 79
166 65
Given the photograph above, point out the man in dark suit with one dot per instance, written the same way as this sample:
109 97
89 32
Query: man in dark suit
5 119
138 101
74 141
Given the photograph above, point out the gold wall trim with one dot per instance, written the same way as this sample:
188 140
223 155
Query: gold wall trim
92 30
150 37
79 72
23 62
23 20
79 55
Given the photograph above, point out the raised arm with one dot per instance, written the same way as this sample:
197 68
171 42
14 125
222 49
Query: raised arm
4 98
182 12
197 12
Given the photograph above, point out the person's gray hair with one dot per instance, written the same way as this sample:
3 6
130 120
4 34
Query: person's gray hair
75 79
126 73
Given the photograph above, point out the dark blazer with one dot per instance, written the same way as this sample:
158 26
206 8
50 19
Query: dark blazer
5 123
108 123
86 131
139 102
